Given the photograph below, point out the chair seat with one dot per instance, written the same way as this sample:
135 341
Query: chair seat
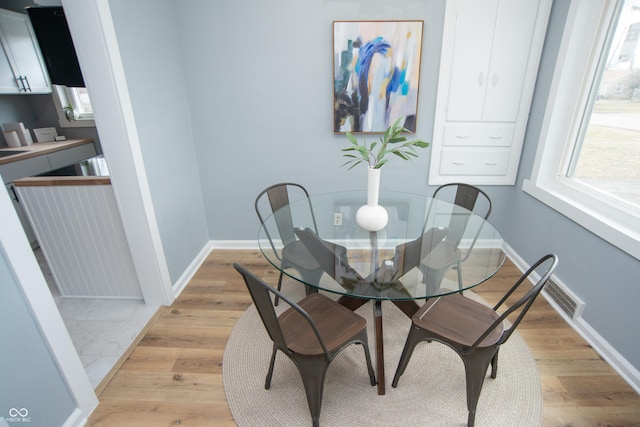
336 323
297 254
444 255
458 319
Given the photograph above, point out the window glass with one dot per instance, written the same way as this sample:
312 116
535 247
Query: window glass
587 161
78 99
73 106
82 101
606 157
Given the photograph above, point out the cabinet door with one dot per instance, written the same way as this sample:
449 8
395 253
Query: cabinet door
510 53
22 49
8 82
470 61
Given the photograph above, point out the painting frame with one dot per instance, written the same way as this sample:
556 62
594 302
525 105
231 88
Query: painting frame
376 74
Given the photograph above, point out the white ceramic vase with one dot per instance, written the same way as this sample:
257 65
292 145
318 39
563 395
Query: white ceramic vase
372 216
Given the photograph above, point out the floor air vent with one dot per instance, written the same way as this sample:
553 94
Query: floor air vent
566 300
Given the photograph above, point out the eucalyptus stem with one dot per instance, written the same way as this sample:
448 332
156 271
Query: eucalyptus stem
362 153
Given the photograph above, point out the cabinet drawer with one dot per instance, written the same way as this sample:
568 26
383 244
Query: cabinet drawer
476 135
70 156
474 161
28 167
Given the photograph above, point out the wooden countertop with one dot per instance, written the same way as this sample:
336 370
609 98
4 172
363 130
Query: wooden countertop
58 181
41 148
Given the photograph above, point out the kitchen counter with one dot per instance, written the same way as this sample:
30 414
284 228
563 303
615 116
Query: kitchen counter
44 157
41 148
62 181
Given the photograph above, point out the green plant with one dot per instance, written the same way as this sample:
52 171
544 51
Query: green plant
358 153
69 113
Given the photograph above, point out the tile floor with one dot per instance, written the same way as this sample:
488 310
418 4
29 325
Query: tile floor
101 329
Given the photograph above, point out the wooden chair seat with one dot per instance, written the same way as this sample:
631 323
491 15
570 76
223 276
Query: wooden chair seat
471 320
336 325
443 256
297 255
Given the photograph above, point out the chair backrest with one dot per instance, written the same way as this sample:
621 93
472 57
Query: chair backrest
468 197
259 291
331 257
544 267
408 255
274 200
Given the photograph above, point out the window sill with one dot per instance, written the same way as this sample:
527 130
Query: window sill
80 123
600 224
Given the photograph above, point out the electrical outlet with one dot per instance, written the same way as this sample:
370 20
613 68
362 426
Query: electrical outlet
337 218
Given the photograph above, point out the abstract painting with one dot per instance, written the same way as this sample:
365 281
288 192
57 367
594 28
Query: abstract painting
376 71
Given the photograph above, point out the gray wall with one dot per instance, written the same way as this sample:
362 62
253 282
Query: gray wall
259 81
30 377
154 68
258 78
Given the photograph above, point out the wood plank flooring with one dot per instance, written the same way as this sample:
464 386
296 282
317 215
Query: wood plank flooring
174 375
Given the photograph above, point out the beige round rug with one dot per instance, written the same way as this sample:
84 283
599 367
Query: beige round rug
431 392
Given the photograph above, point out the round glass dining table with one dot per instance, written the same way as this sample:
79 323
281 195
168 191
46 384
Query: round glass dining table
428 248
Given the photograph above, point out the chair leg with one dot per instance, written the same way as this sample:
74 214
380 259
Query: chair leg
494 364
312 371
310 276
476 364
277 299
267 383
413 339
459 268
367 356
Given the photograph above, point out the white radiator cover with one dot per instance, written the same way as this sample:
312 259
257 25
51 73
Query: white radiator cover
82 238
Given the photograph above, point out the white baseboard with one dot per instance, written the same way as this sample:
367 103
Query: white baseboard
75 419
621 365
193 267
234 244
627 371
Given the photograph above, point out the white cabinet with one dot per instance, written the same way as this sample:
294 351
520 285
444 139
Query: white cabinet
490 55
22 68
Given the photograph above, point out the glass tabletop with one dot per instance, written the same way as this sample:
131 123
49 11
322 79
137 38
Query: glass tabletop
428 248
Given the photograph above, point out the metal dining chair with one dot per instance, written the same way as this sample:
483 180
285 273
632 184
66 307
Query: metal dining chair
447 253
473 330
311 333
274 200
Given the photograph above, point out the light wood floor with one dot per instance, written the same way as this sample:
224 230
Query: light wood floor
174 375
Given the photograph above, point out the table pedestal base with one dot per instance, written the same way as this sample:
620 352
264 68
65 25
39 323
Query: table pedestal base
407 307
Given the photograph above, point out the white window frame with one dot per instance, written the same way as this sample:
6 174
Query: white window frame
582 41
60 99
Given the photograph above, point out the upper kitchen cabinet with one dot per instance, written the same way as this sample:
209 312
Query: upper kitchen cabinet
490 56
22 68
